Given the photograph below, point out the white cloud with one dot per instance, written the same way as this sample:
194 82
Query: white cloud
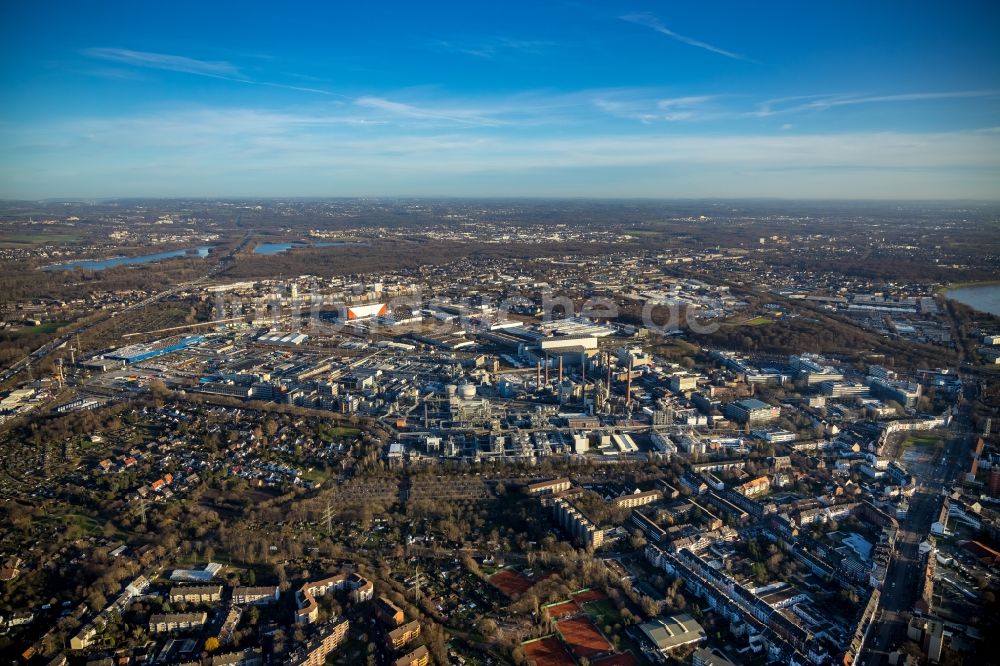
522 141
216 69
641 104
684 102
647 110
336 136
494 47
462 116
168 62
241 152
802 103
653 23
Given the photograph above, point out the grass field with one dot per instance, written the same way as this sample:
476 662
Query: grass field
88 526
316 475
47 328
920 448
37 239
603 612
742 321
329 433
675 348
923 440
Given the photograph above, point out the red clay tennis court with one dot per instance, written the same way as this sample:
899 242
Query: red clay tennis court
583 637
510 582
623 659
548 651
564 609
587 596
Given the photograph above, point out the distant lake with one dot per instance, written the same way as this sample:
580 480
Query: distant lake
985 298
278 248
100 264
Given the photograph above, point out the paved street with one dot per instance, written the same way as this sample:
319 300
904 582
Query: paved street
902 583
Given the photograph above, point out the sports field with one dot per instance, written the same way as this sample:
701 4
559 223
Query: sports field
548 651
583 637
623 659
587 596
564 609
510 582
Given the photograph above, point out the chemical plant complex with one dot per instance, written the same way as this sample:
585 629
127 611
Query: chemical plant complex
610 457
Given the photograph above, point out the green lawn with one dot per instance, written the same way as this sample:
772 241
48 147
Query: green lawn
924 439
755 321
676 348
38 238
47 328
329 433
87 525
316 475
602 612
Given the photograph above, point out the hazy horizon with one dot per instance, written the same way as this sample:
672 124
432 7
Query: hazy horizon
567 100
501 198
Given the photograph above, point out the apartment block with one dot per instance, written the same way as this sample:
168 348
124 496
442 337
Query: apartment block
164 622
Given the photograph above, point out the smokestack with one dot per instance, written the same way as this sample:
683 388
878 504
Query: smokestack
560 369
628 385
546 369
607 362
583 369
538 374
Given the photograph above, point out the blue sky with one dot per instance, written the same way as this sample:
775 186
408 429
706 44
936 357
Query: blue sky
616 99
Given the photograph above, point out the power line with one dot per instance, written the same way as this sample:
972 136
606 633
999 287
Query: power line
328 519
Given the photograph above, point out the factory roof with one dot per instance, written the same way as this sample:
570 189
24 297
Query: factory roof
673 632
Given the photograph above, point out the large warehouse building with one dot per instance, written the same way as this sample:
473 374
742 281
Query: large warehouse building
136 353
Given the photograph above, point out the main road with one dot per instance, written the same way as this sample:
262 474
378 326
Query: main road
904 579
